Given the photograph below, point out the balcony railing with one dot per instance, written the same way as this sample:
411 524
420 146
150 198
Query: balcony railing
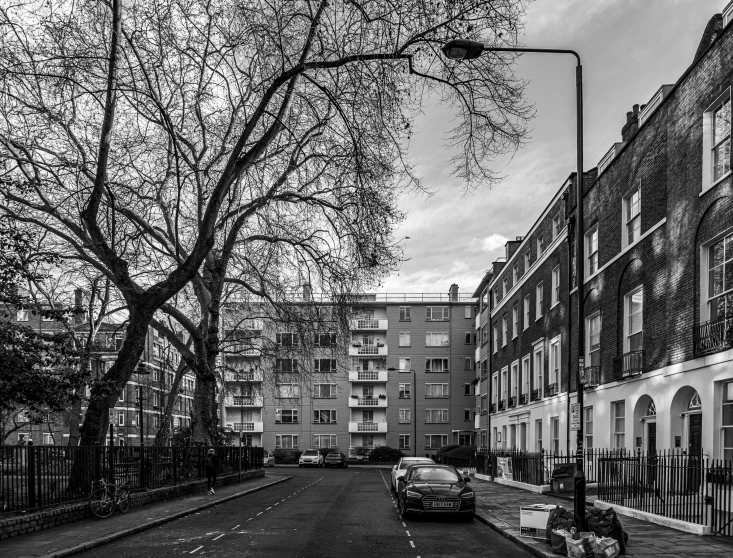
513 401
713 336
536 395
248 427
380 350
356 427
368 376
370 324
592 377
502 404
629 364
367 401
524 399
552 389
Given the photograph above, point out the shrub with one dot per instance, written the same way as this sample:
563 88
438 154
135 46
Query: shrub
287 456
462 452
442 451
385 453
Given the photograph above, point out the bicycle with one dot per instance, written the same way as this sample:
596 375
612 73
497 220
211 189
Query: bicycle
106 496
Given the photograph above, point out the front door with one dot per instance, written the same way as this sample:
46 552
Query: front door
651 437
695 434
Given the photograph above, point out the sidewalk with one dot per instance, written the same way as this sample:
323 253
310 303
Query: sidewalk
89 533
498 506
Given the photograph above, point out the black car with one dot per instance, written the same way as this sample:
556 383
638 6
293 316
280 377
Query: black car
435 489
335 460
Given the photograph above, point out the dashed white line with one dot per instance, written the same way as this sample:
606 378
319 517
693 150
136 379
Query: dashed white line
238 525
412 544
196 549
268 509
250 519
220 536
259 514
408 533
403 524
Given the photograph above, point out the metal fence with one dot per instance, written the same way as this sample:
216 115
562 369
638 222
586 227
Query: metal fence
36 477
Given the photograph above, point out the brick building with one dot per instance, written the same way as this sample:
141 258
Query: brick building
658 236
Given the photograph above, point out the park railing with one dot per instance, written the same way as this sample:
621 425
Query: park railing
37 477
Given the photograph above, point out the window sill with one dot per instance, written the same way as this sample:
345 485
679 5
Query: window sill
407 320
556 304
404 346
714 184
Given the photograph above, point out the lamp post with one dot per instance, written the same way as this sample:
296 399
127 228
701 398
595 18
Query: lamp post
413 394
462 49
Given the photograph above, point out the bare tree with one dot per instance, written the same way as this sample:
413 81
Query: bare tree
127 124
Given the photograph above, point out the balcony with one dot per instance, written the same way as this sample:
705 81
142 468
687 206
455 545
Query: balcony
713 336
368 375
369 325
368 350
377 427
367 401
256 427
243 376
493 407
536 395
513 401
629 365
552 389
592 377
502 405
524 399
243 401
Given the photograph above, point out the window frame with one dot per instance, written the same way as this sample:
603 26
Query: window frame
628 319
555 435
555 371
404 390
444 311
555 294
539 300
331 416
526 374
527 261
515 273
708 173
504 331
443 416
515 320
527 310
22 315
538 373
540 246
444 335
615 434
429 365
588 426
405 314
591 255
589 341
444 390
404 335
404 416
403 441
626 205
294 441
293 413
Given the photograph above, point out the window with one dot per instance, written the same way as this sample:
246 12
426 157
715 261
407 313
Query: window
135 419
287 339
555 362
591 248
505 330
467 415
540 246
485 299
436 339
525 376
286 416
436 416
286 391
468 337
405 364
325 340
495 388
405 313
588 427
556 225
720 278
468 363
436 390
538 435
504 287
539 300
485 334
539 362
21 315
405 416
515 274
286 365
436 365
504 384
286 441
515 321
121 398
593 331
404 441
633 309
503 437
324 416
436 313
555 434
156 399
527 308
405 391
716 140
324 365
324 391
121 418
526 261
404 338
556 286
467 389
46 318
727 422
484 408
618 422
632 216
469 312
324 441
515 380
496 338
435 441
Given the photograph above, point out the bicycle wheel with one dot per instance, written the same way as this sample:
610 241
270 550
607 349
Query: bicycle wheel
101 503
123 499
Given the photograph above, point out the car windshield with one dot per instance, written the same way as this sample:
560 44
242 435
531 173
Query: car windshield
406 462
434 474
310 453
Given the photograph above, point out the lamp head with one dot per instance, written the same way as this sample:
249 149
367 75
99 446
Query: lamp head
462 49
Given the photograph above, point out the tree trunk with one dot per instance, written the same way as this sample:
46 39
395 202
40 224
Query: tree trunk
164 430
204 421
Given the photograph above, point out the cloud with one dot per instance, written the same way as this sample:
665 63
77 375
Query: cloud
493 242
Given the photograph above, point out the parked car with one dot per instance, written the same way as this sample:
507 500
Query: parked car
269 460
335 459
310 458
435 489
402 464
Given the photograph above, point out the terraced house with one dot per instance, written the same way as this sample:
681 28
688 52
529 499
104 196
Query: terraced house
658 287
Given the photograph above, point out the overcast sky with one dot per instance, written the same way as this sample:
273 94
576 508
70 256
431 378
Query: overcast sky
629 48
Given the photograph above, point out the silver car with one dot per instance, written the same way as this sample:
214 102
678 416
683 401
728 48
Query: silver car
399 469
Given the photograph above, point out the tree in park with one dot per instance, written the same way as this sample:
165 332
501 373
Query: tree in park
164 141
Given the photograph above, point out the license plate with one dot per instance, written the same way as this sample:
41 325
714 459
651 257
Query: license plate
442 504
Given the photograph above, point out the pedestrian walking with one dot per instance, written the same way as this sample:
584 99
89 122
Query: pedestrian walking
212 466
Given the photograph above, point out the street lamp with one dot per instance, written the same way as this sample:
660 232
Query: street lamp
462 49
413 394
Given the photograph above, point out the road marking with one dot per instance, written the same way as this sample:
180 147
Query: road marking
196 550
412 544
238 525
268 509
408 533
276 503
250 519
259 514
403 524
220 536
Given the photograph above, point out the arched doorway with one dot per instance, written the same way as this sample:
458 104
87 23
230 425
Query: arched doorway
686 425
645 424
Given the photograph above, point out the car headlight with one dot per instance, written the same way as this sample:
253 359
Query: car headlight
468 495
413 494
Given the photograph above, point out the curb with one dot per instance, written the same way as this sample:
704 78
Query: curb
533 548
160 521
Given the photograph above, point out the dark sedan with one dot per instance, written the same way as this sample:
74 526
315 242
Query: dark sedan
335 460
435 489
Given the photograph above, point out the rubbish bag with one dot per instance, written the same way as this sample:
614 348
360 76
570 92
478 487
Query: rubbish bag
582 547
606 524
557 539
559 518
606 547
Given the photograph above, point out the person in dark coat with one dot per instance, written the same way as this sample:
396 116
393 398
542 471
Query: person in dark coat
212 466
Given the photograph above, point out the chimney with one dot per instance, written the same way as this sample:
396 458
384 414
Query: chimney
511 247
632 124
453 293
307 293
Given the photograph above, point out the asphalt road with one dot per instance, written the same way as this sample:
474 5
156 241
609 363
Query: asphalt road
319 512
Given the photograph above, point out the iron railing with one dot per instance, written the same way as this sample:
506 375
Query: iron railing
502 404
524 399
629 364
493 407
592 377
713 336
552 389
513 401
536 395
37 477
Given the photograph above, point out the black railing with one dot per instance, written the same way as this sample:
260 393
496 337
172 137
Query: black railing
493 407
524 399
502 404
592 377
513 401
713 336
35 477
552 389
629 364
536 395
